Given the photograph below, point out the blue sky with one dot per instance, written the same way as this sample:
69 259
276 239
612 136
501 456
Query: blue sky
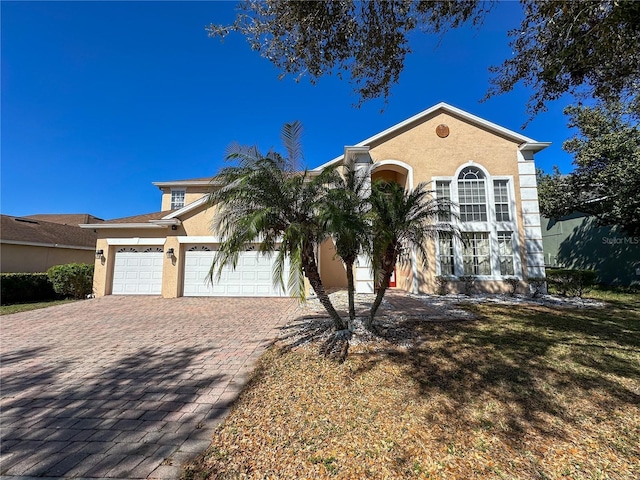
99 99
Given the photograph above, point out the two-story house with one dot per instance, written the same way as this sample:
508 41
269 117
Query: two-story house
487 171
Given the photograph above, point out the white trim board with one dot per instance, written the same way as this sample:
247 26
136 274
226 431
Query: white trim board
120 225
136 241
198 239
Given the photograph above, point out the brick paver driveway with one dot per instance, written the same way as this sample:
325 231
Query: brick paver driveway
126 387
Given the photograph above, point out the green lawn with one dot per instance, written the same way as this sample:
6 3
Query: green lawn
522 392
25 307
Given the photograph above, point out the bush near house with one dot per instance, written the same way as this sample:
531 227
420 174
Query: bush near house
571 282
26 288
72 280
537 286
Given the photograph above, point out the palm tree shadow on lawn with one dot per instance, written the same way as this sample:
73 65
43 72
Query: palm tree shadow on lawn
538 363
543 369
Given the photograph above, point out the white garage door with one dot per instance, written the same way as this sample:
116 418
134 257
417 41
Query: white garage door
251 278
138 271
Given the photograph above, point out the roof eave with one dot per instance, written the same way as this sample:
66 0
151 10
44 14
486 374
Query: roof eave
533 146
120 225
186 183
187 208
45 244
166 222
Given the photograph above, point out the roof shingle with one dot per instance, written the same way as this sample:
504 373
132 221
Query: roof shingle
66 218
144 218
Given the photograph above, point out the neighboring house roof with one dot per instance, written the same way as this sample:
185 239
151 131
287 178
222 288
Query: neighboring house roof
66 218
29 231
526 143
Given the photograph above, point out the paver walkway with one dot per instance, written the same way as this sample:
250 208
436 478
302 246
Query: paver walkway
125 387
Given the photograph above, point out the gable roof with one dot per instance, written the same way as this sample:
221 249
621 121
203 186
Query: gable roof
145 217
29 231
146 220
186 209
161 219
526 143
66 218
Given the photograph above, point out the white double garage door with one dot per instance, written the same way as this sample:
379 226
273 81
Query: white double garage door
139 271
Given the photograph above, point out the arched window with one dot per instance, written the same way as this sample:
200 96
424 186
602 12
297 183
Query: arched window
472 195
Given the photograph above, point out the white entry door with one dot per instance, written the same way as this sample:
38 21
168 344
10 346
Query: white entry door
251 278
138 271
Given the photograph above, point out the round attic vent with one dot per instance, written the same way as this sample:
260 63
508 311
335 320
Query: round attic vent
442 130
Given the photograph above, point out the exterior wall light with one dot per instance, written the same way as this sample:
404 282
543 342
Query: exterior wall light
99 253
170 253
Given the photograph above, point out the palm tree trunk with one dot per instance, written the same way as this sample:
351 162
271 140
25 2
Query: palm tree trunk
388 263
311 271
350 293
380 295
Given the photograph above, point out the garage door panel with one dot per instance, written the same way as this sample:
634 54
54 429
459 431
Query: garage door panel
263 276
252 276
137 272
248 261
249 276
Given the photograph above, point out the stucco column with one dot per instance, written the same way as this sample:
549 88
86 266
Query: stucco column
534 256
100 270
363 272
172 267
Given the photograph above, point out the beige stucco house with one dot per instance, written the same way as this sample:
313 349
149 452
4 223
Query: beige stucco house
486 170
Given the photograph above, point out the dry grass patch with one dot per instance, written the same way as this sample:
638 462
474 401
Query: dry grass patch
523 392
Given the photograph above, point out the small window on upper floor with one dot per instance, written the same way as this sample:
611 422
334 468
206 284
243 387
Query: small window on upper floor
443 195
501 196
472 195
177 199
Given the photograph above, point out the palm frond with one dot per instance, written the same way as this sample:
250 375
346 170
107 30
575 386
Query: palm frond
291 135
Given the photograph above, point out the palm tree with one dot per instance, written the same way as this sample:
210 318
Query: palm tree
266 200
402 222
346 218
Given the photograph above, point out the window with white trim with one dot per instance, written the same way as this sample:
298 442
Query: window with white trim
505 252
483 209
501 199
177 198
476 253
443 192
472 195
446 254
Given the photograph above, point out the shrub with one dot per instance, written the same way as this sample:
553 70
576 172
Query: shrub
574 283
467 282
442 282
537 285
513 283
72 280
25 288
